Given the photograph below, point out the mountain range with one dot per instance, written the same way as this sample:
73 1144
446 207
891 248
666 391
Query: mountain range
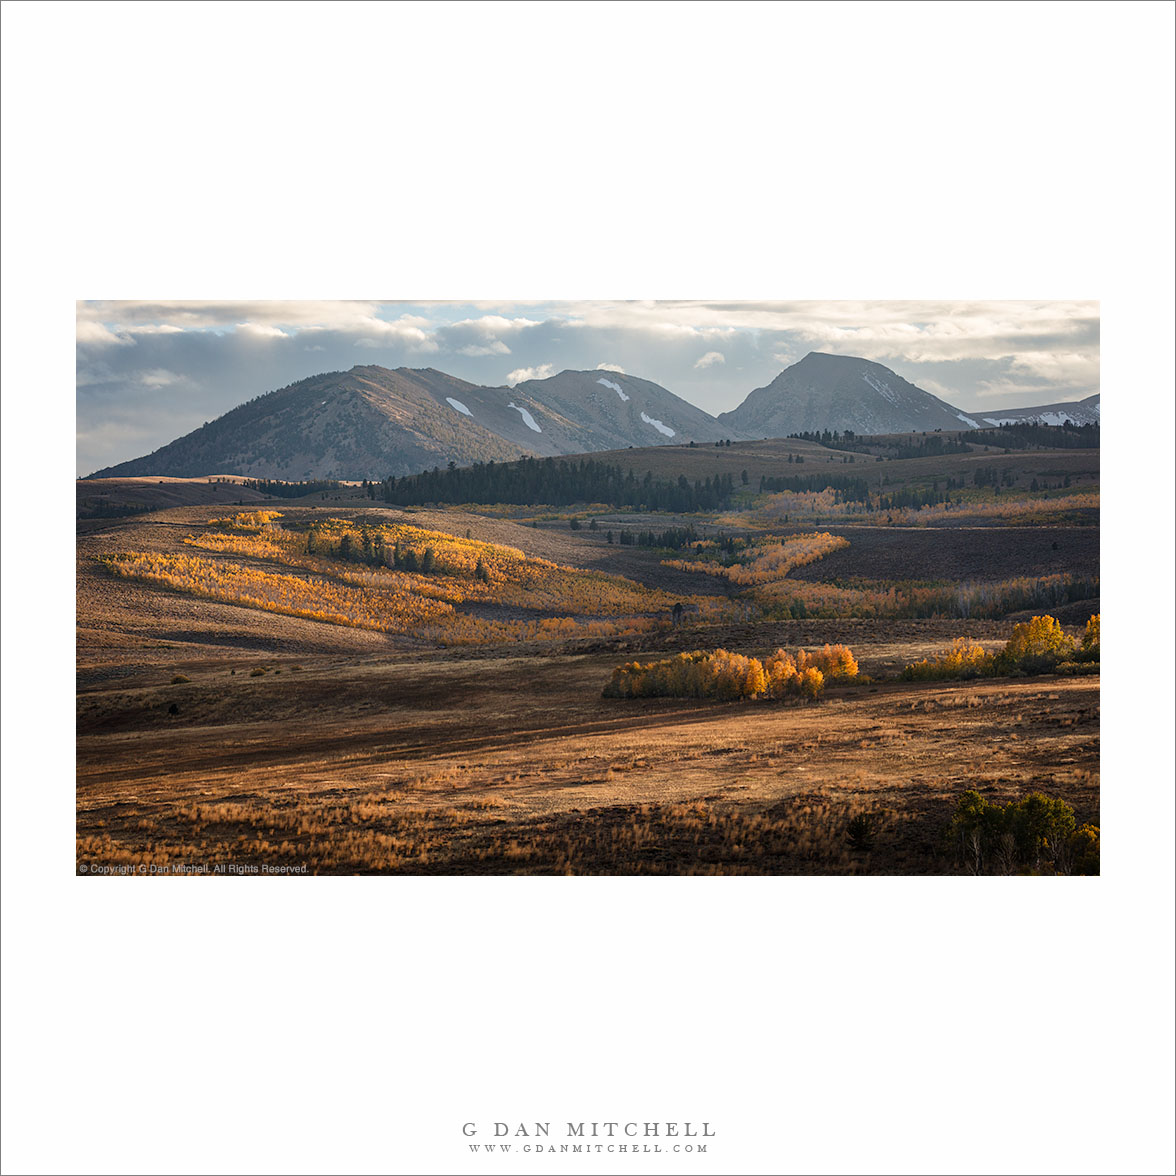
1074 412
370 422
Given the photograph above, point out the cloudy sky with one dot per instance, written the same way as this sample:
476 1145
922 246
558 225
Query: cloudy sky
148 372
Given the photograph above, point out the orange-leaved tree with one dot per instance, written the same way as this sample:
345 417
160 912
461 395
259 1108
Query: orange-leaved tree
1035 645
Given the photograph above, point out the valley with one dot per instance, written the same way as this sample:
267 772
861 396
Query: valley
293 685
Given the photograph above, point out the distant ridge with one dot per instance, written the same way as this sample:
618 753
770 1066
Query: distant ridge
1073 412
372 422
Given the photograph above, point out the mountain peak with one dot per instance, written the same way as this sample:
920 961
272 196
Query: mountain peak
842 392
824 358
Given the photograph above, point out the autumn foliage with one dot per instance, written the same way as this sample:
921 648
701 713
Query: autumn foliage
771 558
965 659
403 580
762 565
720 674
249 520
1036 646
1090 640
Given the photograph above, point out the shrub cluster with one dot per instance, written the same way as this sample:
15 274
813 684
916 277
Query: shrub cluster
721 674
965 659
770 559
248 520
1033 835
1036 647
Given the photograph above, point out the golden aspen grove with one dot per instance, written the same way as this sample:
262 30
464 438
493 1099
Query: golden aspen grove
424 604
724 675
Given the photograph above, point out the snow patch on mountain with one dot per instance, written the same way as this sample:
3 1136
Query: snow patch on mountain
459 406
967 421
528 419
616 388
657 425
883 390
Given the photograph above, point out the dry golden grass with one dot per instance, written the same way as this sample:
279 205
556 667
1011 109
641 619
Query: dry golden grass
454 772
301 746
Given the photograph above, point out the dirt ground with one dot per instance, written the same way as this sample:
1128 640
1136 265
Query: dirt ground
509 764
295 745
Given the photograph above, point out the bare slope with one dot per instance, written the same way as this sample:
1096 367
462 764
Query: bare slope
364 423
370 422
841 392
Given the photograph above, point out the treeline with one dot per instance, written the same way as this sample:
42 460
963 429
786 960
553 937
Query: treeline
1030 435
850 489
801 599
672 537
1036 647
558 483
846 488
911 498
289 489
929 445
992 476
103 508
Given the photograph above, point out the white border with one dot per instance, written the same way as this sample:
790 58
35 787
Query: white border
587 150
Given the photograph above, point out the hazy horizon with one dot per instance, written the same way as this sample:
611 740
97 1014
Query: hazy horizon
149 372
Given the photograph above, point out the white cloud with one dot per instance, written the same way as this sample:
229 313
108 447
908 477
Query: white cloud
610 367
710 359
158 378
194 315
542 372
94 333
106 323
156 329
1010 392
475 349
261 331
400 332
482 336
490 326
1064 367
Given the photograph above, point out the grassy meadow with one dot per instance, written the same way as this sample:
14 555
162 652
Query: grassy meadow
334 684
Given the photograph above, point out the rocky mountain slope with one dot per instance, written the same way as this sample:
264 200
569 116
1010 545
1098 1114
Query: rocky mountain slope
840 392
609 410
370 422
